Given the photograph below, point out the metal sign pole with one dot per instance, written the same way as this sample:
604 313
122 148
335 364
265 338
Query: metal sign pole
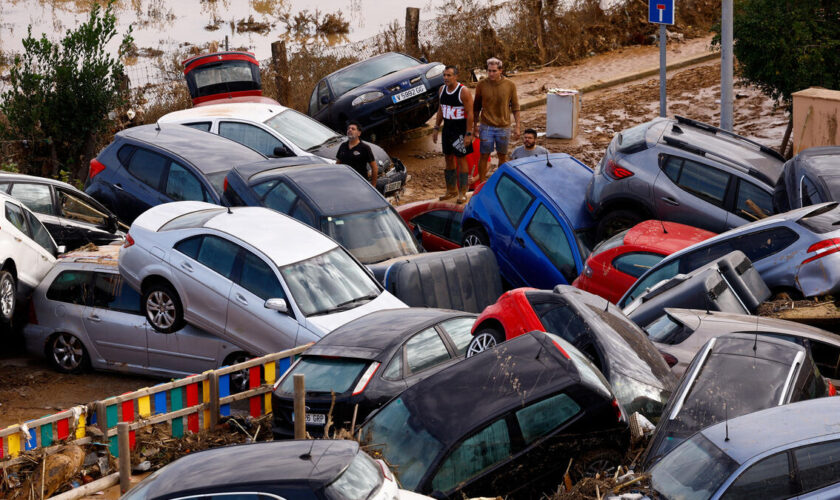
726 61
661 12
663 106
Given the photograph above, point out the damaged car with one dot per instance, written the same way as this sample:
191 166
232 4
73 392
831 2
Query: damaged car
360 366
502 423
809 178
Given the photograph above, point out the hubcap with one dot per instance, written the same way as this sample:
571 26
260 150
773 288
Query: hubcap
472 240
68 352
7 298
481 343
239 380
160 309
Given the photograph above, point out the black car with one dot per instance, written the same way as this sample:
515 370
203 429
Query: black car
332 198
72 217
369 361
502 423
152 164
290 470
733 375
811 177
382 93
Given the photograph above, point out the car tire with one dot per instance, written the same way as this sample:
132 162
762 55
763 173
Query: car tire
163 308
8 296
597 461
238 380
484 339
475 236
67 353
616 221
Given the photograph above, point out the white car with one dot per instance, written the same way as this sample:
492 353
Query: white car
255 277
27 251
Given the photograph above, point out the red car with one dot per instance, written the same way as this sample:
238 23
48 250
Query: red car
230 76
615 264
439 221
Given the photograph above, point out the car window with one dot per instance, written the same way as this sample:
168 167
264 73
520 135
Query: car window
111 292
258 278
542 417
460 331
818 464
124 154
394 369
323 91
704 255
359 480
707 183
694 470
636 263
560 319
455 228
148 167
548 234
15 215
39 233
182 185
768 479
433 222
76 208
479 452
72 287
827 358
613 242
276 195
753 203
313 100
191 220
372 236
36 197
203 126
190 246
823 219
513 198
218 254
325 374
301 130
666 272
756 246
303 213
252 136
809 193
425 350
4 187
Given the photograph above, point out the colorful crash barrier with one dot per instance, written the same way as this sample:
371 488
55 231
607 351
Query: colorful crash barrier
189 405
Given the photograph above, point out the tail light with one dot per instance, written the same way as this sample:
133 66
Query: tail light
832 391
225 187
561 349
384 468
616 171
619 415
96 167
671 360
33 318
823 248
128 241
366 376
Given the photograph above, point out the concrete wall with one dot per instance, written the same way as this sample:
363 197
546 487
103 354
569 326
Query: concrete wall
816 115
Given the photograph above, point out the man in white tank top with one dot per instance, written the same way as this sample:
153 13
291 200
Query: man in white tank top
455 112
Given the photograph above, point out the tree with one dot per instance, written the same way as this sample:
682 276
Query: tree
60 94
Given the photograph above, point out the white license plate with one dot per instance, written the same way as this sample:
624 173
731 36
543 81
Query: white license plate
409 93
313 418
392 186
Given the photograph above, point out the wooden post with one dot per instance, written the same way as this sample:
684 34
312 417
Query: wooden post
214 400
412 28
102 418
125 456
300 407
281 71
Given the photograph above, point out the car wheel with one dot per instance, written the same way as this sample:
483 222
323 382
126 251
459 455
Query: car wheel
475 236
616 221
8 295
67 353
484 339
238 380
597 461
163 308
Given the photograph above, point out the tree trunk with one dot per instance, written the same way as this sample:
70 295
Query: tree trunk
786 138
537 11
88 153
412 30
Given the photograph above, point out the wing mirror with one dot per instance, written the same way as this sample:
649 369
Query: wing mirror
418 233
278 305
61 249
325 99
282 152
424 60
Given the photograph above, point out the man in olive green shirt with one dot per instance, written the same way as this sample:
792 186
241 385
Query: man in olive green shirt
495 99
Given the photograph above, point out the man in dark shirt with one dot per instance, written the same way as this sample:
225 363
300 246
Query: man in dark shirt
357 154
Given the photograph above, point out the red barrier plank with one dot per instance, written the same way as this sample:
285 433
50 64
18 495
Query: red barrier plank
128 416
254 381
192 400
62 429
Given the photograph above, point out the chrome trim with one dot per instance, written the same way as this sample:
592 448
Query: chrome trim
691 379
797 362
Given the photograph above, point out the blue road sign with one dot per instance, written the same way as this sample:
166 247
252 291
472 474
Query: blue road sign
661 11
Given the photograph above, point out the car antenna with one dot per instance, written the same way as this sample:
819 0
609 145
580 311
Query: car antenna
308 454
545 143
664 231
607 307
726 420
755 341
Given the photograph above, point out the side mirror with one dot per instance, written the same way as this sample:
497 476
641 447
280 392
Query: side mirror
418 233
325 99
282 152
424 60
278 305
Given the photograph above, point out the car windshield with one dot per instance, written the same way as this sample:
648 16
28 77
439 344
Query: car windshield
403 442
666 330
694 470
360 480
302 131
371 236
324 374
662 272
608 244
330 282
368 71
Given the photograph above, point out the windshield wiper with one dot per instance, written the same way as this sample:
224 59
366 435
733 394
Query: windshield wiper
331 140
350 302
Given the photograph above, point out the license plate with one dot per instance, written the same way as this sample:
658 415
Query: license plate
392 186
408 93
313 418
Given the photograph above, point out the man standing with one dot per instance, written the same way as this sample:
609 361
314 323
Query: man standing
529 146
495 99
357 154
455 111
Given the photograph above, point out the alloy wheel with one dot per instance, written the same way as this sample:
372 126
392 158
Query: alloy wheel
68 352
160 309
480 343
472 240
7 296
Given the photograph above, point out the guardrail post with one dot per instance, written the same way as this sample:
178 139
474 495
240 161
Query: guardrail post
214 400
300 407
125 456
102 418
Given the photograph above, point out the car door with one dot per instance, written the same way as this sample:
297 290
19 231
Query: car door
39 198
692 193
248 319
204 265
255 138
24 251
751 203
321 110
423 351
115 324
182 184
82 221
543 251
514 201
818 469
44 246
437 228
142 190
769 478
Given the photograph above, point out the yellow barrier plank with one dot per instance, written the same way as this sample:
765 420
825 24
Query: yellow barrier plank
80 429
144 406
14 444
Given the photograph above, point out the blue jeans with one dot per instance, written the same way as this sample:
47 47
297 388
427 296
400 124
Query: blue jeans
492 138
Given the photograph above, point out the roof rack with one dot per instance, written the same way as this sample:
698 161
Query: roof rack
712 128
679 143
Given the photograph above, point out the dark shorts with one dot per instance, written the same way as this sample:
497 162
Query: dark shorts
454 143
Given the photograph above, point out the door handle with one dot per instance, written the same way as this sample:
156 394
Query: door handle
242 300
186 266
520 241
95 318
670 201
119 187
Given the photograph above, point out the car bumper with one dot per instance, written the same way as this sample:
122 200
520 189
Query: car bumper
35 338
819 277
394 181
403 115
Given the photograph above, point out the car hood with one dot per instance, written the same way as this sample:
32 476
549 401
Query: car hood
331 150
328 322
389 80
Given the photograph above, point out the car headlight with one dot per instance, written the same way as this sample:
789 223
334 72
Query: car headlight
385 166
435 70
367 97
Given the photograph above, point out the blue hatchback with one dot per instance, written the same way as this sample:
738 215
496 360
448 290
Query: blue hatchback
531 214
